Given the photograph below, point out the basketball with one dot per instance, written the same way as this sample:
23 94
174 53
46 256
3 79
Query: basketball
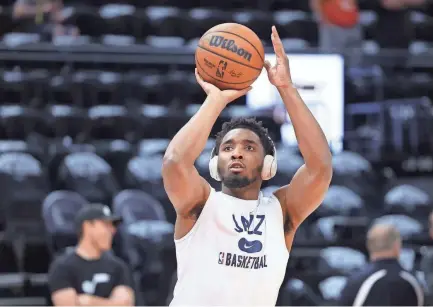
342 13
230 56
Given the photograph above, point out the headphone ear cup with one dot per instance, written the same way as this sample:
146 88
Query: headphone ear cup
269 167
213 168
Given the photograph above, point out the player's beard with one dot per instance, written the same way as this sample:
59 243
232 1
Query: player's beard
234 181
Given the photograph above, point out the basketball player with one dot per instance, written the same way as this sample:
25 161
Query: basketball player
232 246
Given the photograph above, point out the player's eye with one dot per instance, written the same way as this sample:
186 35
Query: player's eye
250 148
227 148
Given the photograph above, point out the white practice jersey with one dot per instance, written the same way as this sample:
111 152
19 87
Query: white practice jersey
235 255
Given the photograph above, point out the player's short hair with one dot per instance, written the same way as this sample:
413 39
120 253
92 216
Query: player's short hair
249 123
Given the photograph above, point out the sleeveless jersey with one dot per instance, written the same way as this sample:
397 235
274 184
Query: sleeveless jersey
235 254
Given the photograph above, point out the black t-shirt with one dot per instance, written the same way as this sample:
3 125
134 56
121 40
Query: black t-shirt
394 29
94 277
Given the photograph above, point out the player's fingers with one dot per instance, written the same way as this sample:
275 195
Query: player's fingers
267 65
276 42
199 79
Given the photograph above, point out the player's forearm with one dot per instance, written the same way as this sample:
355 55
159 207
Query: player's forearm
190 141
311 139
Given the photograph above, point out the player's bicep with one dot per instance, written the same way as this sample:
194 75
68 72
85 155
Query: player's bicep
305 193
64 297
184 186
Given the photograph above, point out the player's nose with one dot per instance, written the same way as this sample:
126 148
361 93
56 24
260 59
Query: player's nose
237 154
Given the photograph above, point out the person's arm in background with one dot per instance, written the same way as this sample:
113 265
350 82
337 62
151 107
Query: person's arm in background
122 294
60 285
23 9
315 9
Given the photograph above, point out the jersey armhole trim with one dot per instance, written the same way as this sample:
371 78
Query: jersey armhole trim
197 222
281 211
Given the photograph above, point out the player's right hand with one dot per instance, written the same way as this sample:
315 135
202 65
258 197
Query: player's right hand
225 96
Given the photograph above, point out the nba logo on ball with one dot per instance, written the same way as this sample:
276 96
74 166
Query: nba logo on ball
230 56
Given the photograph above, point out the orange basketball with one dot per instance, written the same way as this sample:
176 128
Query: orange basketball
342 13
230 56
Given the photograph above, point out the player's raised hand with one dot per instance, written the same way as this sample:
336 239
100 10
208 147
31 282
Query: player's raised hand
279 74
225 96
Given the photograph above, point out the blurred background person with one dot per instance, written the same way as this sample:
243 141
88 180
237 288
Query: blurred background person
383 282
90 275
44 17
339 27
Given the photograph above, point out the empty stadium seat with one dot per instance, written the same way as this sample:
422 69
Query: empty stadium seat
112 122
117 153
258 21
202 19
166 21
136 205
89 175
297 293
351 230
331 287
152 146
120 19
340 200
58 212
341 259
296 24
25 185
19 121
146 238
85 18
407 199
67 120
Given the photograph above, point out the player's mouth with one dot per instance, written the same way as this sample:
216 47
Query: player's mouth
236 167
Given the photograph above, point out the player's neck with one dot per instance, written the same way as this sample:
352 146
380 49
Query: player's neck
247 193
85 249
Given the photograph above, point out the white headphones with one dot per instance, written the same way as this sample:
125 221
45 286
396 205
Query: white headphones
269 165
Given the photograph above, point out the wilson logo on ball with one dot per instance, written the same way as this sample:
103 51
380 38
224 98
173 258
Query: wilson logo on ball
230 45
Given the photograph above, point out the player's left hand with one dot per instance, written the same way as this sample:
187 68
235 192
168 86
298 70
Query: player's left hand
279 74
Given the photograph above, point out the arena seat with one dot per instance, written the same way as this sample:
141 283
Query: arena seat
151 147
423 24
331 287
136 205
168 42
118 40
353 171
117 153
258 21
12 86
166 21
99 87
340 259
85 18
58 212
146 238
202 19
296 24
25 185
89 175
67 120
368 21
333 229
297 293
6 20
340 200
63 90
120 19
112 122
407 199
